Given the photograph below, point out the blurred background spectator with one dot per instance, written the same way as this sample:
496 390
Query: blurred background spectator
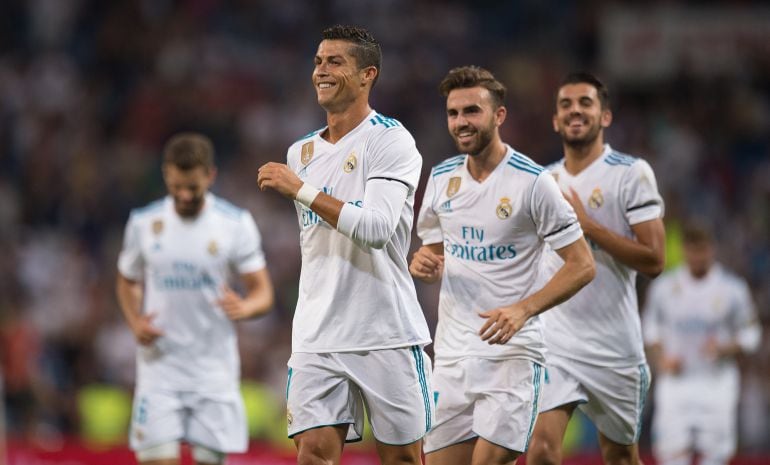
90 90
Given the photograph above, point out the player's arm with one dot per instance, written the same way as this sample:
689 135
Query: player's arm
130 294
577 271
257 301
745 327
428 263
646 254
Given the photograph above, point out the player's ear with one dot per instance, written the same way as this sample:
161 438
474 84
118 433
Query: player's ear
369 75
555 122
500 115
212 174
606 118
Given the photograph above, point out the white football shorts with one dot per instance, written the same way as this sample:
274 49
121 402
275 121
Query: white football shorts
611 397
493 399
698 414
215 420
393 385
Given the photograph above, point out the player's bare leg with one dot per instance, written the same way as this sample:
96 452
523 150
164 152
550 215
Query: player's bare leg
545 446
487 453
321 446
410 454
618 454
456 454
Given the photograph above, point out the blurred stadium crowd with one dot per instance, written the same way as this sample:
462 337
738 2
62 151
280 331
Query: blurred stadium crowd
90 90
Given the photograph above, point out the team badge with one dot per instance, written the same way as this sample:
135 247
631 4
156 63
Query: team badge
555 177
504 208
157 227
453 186
289 417
350 163
213 248
307 152
597 199
139 434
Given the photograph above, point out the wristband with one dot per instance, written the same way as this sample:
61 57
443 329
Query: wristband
307 194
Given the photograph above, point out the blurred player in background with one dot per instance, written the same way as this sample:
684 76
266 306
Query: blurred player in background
484 221
698 318
179 255
596 358
358 329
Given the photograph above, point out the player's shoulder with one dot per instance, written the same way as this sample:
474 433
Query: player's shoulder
729 277
448 166
616 160
226 209
520 164
380 127
152 209
306 138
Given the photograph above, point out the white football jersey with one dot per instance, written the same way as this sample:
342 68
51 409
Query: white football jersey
353 297
493 234
683 313
184 263
600 324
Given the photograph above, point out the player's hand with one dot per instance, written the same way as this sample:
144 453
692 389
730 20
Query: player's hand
502 323
426 265
580 210
233 304
280 177
671 365
144 331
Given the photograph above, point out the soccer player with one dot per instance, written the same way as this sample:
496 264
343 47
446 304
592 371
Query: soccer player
178 256
596 358
485 219
698 318
358 328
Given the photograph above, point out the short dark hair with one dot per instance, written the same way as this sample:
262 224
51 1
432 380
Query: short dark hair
189 150
466 77
366 50
697 232
583 77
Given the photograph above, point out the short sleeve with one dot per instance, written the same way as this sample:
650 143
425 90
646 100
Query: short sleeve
248 256
131 260
428 224
554 217
393 155
640 196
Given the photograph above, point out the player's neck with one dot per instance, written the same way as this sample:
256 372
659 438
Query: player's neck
481 166
342 122
578 158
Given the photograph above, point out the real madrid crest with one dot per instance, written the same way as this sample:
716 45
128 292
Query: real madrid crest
307 152
453 186
350 163
213 248
597 199
289 417
504 208
157 227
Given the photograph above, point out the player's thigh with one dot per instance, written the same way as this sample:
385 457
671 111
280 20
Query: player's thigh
405 454
320 393
396 386
550 427
158 417
614 453
460 453
454 410
217 421
487 453
616 399
321 445
508 393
